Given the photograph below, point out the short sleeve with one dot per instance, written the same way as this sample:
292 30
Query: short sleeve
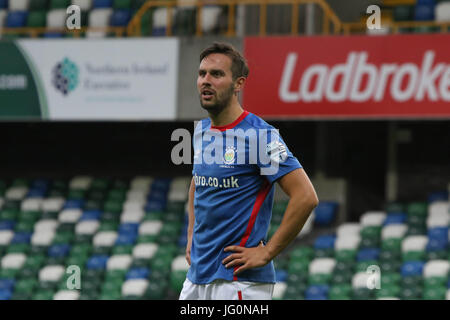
275 160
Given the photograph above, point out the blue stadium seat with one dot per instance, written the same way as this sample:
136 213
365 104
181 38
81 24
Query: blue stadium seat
412 268
4 4
137 273
21 237
317 292
162 184
91 215
159 32
157 195
436 245
394 218
120 18
40 184
36 193
7 225
155 206
5 294
102 3
74 204
325 242
367 254
182 240
53 35
59 250
124 239
7 284
438 233
424 13
129 228
325 213
427 2
16 19
438 196
97 262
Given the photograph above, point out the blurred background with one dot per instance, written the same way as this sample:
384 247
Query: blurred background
87 115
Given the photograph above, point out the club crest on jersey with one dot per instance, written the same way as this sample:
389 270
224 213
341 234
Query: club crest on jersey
230 155
276 151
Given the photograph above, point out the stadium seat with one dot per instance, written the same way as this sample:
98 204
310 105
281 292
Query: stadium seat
325 213
144 250
317 292
279 290
88 227
134 287
210 18
372 218
3 4
6 237
85 5
325 242
442 11
412 268
16 19
51 273
18 5
347 229
119 262
69 215
120 18
424 12
393 231
105 238
67 295
13 261
102 3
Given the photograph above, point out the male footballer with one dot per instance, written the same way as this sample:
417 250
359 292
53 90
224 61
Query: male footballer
231 198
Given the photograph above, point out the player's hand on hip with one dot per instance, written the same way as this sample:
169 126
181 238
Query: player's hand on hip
246 258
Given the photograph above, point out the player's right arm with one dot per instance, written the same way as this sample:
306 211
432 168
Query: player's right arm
191 216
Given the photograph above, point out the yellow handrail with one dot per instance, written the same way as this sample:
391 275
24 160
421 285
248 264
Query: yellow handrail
134 27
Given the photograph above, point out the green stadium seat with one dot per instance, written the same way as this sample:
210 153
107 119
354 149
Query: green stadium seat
340 292
122 4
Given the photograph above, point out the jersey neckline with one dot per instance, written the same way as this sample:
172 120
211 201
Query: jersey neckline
233 124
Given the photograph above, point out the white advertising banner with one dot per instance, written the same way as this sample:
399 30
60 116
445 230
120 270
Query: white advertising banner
110 79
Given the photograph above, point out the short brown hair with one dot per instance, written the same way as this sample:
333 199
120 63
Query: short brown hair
239 67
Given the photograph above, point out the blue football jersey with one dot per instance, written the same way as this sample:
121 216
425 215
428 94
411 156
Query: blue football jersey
234 170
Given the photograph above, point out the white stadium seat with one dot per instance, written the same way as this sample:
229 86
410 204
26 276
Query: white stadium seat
145 250
322 265
13 260
442 11
119 262
278 290
373 218
360 279
105 238
56 18
141 182
180 263
394 231
70 215
53 204
21 5
87 227
45 225
132 216
436 268
67 295
85 5
350 228
51 273
150 227
31 204
80 182
42 238
349 242
210 17
16 193
414 243
134 287
6 237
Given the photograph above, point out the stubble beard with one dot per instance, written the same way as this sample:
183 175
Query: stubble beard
222 101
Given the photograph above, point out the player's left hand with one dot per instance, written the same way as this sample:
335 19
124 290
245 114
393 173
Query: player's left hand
247 258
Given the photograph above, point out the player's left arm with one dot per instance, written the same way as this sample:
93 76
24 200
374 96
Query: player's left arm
303 199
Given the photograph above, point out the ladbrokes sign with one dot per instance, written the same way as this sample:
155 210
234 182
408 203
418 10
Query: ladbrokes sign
388 77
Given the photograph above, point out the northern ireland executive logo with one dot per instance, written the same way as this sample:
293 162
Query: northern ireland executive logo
65 76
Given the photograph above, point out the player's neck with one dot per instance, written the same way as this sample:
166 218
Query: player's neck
227 116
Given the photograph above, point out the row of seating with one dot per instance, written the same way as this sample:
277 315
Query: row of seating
401 253
103 14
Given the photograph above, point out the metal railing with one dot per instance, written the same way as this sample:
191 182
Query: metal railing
331 24
330 18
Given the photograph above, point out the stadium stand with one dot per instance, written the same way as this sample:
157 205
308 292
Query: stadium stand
128 237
